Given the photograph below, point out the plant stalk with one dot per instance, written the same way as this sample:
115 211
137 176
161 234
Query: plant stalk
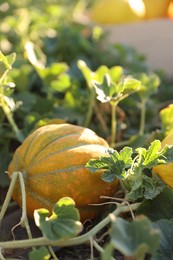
90 107
143 115
42 241
113 125
9 116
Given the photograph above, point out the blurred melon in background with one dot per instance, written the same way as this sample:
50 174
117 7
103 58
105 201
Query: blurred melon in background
128 11
170 10
156 8
145 25
117 11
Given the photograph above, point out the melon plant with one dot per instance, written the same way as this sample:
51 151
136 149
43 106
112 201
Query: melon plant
52 160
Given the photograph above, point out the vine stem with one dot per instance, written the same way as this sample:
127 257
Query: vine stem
9 116
90 107
143 114
8 196
113 125
85 238
24 219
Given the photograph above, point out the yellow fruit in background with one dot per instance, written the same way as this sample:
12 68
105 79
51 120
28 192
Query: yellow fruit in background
165 171
170 10
156 8
114 12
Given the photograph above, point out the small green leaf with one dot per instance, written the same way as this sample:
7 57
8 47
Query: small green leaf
103 90
87 73
136 238
107 253
149 85
96 164
131 85
7 60
116 73
41 253
115 164
62 224
142 186
154 155
114 87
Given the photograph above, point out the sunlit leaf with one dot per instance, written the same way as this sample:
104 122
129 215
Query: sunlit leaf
7 60
116 73
149 85
155 155
63 223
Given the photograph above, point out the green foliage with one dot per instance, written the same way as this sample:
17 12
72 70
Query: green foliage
160 207
52 66
134 169
165 250
62 224
136 238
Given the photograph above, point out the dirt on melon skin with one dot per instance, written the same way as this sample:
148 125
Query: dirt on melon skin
52 160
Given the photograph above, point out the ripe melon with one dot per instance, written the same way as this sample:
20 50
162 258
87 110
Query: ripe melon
52 160
165 171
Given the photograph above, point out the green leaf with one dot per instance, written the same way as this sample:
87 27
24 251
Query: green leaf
160 207
136 238
62 224
114 88
165 250
7 60
115 164
151 155
87 73
131 85
91 76
134 171
107 253
41 253
103 90
149 85
142 186
116 73
154 155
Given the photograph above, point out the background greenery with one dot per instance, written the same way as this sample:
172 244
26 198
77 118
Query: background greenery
53 87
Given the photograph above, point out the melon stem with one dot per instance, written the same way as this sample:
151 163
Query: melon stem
42 241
